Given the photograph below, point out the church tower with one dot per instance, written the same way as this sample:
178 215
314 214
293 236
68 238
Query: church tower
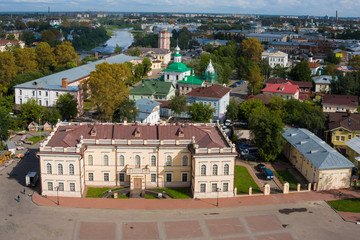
210 74
177 55
164 39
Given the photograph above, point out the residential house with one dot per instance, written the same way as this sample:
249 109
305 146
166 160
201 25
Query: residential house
267 37
304 87
8 44
343 55
275 57
78 155
322 83
48 89
152 89
47 126
341 128
353 151
316 160
33 126
149 111
315 68
340 103
216 95
158 54
284 90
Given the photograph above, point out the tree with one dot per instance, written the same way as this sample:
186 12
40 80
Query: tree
31 111
51 115
89 58
201 112
252 49
127 109
331 58
147 66
45 56
28 37
4 124
65 53
23 78
107 87
355 62
118 49
134 52
330 69
267 128
7 70
67 106
255 80
247 107
25 59
51 36
280 71
7 102
232 110
178 103
301 72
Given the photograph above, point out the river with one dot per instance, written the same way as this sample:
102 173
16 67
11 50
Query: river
121 37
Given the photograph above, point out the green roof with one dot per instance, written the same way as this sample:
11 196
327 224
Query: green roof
177 55
177 67
150 87
192 80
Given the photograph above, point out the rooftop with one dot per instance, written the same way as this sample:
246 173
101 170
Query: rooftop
145 106
177 67
214 91
151 87
349 121
324 79
281 88
315 150
345 100
354 144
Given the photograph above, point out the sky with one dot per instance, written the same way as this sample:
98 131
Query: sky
346 8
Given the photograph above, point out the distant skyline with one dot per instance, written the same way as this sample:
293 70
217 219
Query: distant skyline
346 8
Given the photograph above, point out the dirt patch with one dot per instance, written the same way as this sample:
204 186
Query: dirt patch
287 211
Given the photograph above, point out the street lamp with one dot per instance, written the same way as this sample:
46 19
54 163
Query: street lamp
57 195
217 199
339 195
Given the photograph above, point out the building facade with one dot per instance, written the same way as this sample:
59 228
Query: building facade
353 151
340 103
284 90
149 111
198 156
275 57
164 39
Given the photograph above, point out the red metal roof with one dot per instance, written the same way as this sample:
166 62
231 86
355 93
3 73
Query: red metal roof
281 88
214 91
313 65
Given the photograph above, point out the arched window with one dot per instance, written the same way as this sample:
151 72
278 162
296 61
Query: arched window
106 160
137 161
48 168
226 169
60 169
71 169
153 160
185 160
203 170
215 170
168 160
90 160
121 160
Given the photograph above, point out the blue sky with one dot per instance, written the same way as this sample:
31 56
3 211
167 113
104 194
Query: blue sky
346 8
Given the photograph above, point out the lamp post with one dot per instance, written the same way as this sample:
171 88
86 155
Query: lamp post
57 195
339 195
217 199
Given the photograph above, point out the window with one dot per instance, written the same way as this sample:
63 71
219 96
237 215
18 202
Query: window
342 138
71 169
39 93
184 177
60 169
40 102
225 187
203 187
168 160
168 177
226 169
153 161
122 160
20 92
349 136
137 161
20 101
153 177
106 177
33 93
337 138
325 107
46 94
60 186
214 187
57 93
168 77
90 160
121 177
72 187
185 160
215 170
50 186
106 160
337 108
203 170
47 103
48 168
91 176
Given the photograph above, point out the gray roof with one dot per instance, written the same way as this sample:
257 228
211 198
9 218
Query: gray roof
316 150
10 145
354 144
145 106
324 79
54 81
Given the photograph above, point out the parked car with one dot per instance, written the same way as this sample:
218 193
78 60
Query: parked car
240 82
244 152
244 146
268 174
227 122
260 167
250 157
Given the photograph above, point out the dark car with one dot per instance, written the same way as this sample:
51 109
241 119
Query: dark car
268 174
244 146
260 167
250 157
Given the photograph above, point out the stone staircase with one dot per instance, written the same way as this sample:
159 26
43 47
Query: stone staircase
137 193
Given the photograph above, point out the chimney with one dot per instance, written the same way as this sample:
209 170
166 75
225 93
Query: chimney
64 83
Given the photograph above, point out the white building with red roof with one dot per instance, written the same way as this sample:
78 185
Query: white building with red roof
4 44
139 157
284 90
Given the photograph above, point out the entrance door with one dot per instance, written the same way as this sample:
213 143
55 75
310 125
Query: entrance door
137 183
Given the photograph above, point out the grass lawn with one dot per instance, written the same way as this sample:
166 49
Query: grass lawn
148 196
243 181
286 176
94 192
123 197
36 139
346 205
177 193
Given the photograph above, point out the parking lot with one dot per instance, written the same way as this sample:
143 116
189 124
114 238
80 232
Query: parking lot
239 92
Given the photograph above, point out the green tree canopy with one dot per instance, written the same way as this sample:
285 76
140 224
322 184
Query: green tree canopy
255 80
201 112
232 110
51 115
355 62
252 49
134 52
107 87
301 72
127 109
67 106
28 37
178 103
4 124
65 53
331 58
247 107
25 59
118 49
31 111
45 56
8 70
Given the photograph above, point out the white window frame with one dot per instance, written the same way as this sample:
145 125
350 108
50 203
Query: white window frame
203 164
134 161
52 185
92 155
224 168
46 167
103 159
187 176
57 168
222 185
119 161
108 176
166 160
212 169
217 186
166 179
153 155
153 173
69 168
58 183
182 161
202 183
88 176
70 187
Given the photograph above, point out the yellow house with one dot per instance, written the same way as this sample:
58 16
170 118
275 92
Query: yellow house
198 156
316 160
342 128
340 103
353 151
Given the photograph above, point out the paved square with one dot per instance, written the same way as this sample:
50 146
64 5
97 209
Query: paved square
237 238
140 230
263 223
183 229
97 230
222 227
275 236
